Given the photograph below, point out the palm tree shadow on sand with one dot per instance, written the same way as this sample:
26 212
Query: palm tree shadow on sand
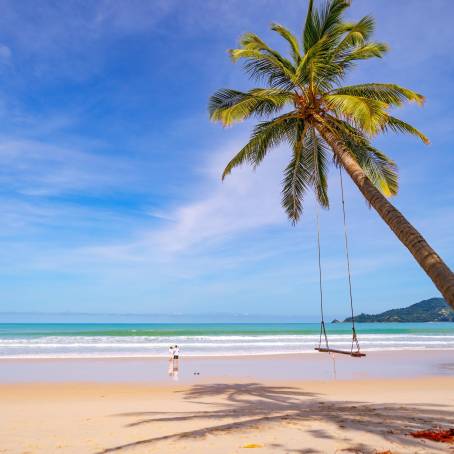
254 406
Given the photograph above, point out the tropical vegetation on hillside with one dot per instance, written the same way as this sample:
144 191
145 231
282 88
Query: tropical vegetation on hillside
431 310
303 102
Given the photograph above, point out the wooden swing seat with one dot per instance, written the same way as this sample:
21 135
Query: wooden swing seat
342 352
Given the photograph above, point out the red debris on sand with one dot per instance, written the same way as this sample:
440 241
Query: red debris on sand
443 436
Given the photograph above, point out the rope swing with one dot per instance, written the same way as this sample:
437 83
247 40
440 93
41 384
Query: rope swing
355 350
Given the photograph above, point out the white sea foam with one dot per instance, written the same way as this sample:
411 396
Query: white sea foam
197 346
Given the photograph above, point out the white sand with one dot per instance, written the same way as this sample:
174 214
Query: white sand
365 416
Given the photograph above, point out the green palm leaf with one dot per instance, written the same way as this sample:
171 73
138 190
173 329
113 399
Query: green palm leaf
264 63
315 153
228 106
365 113
396 125
390 94
323 22
380 169
356 34
266 135
296 179
291 39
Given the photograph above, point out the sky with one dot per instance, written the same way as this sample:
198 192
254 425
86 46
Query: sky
110 188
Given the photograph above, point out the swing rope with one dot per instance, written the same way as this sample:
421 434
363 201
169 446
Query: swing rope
355 343
322 324
347 255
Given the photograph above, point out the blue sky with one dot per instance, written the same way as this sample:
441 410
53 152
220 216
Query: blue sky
109 168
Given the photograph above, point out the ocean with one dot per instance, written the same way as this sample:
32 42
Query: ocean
97 340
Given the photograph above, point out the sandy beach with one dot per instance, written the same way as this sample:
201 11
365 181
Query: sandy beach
229 414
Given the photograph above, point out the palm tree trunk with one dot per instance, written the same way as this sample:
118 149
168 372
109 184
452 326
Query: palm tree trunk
427 258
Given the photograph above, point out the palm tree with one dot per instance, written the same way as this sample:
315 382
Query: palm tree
304 103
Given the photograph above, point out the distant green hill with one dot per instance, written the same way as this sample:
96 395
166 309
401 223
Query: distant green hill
431 310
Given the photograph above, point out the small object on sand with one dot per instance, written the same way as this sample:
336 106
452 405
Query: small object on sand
253 445
440 435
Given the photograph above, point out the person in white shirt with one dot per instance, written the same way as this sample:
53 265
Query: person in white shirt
170 368
176 362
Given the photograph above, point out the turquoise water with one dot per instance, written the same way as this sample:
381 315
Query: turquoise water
210 339
211 329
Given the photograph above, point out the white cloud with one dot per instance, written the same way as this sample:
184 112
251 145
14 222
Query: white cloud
245 201
5 53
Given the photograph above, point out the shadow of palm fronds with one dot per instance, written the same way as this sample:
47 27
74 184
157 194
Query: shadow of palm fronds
235 407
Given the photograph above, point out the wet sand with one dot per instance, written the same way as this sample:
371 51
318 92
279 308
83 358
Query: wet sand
317 366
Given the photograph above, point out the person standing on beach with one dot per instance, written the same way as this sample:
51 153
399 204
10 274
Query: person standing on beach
171 360
176 361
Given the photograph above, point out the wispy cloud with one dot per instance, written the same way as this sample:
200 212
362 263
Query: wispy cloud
5 54
245 201
38 168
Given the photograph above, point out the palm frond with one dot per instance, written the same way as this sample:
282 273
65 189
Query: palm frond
265 136
317 69
366 114
379 168
228 106
356 34
391 94
315 154
263 69
296 179
291 39
336 52
263 62
330 15
310 32
322 22
396 125
362 52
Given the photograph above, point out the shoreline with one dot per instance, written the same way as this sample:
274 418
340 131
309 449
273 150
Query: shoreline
218 356
392 351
